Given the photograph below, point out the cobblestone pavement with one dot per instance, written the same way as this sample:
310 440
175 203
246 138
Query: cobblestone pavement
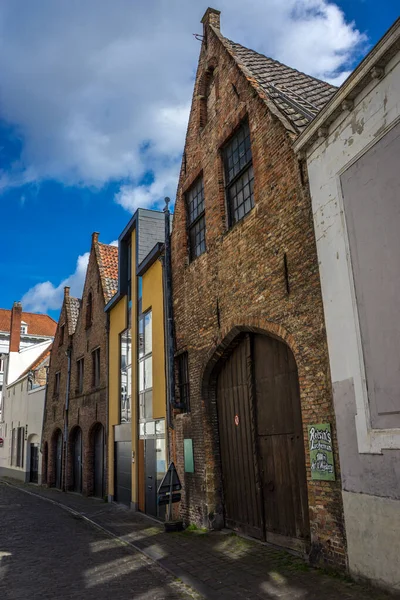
218 565
46 552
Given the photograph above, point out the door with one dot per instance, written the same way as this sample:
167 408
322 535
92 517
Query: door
241 495
123 472
77 462
59 446
150 477
280 443
34 466
98 461
261 442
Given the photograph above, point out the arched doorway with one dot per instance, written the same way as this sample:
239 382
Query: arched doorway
45 462
98 460
33 458
76 458
261 442
57 454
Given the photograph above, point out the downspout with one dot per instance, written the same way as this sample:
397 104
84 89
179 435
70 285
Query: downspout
105 484
171 402
68 353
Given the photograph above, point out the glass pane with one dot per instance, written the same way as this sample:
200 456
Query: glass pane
147 333
141 376
141 338
148 405
141 429
160 427
160 458
148 373
150 428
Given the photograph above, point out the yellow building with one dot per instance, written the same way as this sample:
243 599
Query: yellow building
137 428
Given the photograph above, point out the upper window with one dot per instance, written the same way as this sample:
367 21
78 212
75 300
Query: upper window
89 310
57 383
1 365
196 219
125 376
239 176
24 329
96 368
62 334
79 379
145 366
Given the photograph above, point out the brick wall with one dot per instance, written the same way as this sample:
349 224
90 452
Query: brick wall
240 283
88 408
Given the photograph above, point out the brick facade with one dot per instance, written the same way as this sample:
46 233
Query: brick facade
87 408
239 284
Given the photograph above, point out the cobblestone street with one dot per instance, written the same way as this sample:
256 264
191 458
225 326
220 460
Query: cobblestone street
46 552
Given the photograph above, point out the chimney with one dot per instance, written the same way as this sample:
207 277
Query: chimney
15 332
211 17
95 237
66 291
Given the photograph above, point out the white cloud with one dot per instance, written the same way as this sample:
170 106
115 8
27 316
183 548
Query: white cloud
46 296
101 90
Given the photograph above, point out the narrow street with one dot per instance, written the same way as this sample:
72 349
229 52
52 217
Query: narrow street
46 552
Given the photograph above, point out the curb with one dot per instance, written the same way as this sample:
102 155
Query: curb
196 586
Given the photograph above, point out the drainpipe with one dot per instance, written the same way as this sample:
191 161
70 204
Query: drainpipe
68 353
171 403
105 470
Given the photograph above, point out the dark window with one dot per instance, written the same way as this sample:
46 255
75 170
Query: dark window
57 383
125 376
89 310
183 380
62 334
96 368
196 219
20 446
239 176
79 379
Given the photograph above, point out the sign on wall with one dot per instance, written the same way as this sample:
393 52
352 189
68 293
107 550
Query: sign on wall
321 452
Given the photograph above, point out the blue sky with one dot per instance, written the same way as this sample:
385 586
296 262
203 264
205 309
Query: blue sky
94 100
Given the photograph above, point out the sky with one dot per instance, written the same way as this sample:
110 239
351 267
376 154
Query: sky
94 104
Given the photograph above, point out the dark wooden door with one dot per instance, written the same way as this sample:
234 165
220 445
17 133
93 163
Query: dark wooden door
241 496
123 472
98 461
59 448
77 461
34 466
280 443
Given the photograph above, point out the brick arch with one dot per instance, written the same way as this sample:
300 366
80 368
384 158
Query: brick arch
52 459
229 338
89 457
202 90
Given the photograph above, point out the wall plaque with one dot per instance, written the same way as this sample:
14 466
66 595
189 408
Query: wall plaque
321 452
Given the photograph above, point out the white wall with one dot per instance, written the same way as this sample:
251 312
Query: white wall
369 457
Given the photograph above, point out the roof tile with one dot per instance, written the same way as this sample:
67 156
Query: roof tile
37 324
108 266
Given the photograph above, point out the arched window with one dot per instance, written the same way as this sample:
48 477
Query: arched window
208 95
89 310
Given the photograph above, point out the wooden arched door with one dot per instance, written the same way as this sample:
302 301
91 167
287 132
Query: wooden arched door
77 460
261 442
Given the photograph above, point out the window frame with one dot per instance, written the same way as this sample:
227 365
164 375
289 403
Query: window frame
62 330
146 392
182 364
230 183
89 311
201 216
80 370
96 367
128 392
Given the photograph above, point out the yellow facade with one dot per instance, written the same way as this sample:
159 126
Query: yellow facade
151 299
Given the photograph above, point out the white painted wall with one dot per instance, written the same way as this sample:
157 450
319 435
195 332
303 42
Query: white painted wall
370 458
18 362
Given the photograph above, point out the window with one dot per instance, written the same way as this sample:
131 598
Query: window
57 380
24 328
125 376
1 365
183 380
96 368
145 366
196 219
19 439
89 310
79 379
239 176
62 334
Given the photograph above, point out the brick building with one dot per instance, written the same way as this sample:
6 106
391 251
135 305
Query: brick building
251 355
76 398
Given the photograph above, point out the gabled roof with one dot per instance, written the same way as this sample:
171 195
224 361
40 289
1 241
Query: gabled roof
72 308
297 96
37 324
36 363
107 259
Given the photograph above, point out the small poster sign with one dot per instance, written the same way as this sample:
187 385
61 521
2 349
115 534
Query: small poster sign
321 452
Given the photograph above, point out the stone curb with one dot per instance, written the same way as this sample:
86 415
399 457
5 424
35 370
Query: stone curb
196 588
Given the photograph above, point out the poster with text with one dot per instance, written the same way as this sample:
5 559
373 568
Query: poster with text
321 452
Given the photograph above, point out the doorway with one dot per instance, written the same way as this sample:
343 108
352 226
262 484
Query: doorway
34 463
58 453
261 442
98 461
76 443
